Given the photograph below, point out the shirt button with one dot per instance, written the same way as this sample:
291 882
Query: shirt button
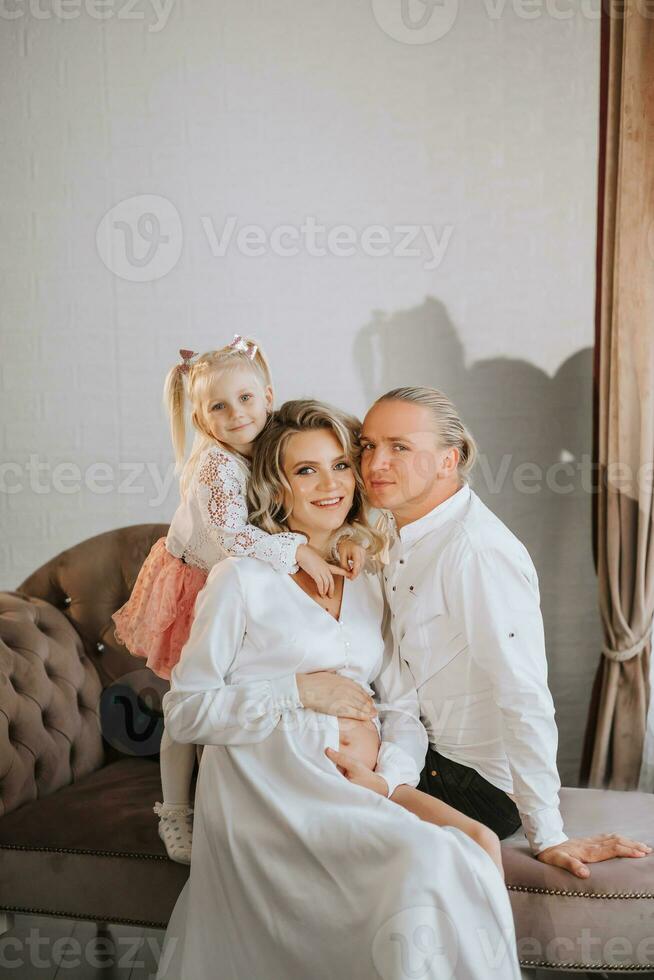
434 773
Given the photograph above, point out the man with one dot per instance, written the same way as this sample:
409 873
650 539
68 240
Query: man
463 594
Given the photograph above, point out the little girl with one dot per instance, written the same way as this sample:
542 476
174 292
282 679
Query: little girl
230 392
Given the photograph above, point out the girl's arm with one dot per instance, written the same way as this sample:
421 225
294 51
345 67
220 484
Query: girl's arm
200 706
221 493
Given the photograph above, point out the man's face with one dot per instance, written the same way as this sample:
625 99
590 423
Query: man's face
400 455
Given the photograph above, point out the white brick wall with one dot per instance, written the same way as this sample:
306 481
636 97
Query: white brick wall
273 111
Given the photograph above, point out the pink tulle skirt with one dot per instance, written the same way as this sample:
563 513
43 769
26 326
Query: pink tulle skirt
156 619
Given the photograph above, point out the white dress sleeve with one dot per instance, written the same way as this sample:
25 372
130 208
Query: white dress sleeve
201 706
224 511
404 742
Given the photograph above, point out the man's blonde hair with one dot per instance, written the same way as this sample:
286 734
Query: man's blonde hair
268 481
450 429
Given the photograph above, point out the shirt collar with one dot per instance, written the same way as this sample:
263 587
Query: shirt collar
445 511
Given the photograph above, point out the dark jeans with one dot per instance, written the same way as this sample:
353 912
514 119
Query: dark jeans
467 791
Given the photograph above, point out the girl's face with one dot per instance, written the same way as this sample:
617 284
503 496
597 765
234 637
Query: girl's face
234 408
322 483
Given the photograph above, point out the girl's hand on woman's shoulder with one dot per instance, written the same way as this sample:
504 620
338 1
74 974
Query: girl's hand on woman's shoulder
319 570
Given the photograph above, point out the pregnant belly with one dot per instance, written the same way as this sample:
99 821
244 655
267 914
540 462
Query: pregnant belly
359 739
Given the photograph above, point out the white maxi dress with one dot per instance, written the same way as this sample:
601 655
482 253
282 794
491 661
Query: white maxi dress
296 872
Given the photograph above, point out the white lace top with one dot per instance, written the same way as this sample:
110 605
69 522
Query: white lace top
211 522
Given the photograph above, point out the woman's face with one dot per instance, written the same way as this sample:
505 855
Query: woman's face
322 482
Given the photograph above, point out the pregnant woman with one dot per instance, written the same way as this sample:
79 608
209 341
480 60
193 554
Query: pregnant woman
297 872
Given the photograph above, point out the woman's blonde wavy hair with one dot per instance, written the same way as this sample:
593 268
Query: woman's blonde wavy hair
190 386
268 481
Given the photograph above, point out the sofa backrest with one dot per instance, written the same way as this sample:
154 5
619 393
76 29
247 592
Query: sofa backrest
49 701
89 582
57 653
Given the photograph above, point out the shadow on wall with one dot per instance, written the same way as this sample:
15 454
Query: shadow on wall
534 434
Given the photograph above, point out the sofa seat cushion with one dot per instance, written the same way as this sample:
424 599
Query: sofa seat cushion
605 921
92 850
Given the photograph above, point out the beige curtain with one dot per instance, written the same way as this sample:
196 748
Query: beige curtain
617 743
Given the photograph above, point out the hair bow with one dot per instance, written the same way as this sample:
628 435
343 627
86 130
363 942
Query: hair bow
186 356
239 343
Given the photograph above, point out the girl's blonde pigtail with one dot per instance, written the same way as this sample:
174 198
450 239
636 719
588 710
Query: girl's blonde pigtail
174 401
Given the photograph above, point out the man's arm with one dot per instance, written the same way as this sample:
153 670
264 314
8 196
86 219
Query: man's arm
498 601
404 739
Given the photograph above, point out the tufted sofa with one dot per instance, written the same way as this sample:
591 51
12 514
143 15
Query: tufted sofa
77 833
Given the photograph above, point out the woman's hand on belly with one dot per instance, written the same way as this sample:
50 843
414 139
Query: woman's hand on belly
357 772
332 694
359 740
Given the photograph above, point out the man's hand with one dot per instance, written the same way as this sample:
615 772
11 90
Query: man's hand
352 556
356 772
574 855
332 694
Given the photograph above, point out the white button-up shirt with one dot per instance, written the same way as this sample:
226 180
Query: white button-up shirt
466 618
